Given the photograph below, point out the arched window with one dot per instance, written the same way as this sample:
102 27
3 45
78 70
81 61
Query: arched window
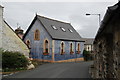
78 48
46 46
88 48
71 48
37 35
28 43
62 48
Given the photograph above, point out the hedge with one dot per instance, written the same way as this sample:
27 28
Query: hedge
13 60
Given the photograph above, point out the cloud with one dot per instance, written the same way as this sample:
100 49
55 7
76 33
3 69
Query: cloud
72 12
59 0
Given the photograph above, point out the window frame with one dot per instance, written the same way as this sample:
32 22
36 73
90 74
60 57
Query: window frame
28 45
63 29
54 27
71 48
78 47
44 47
37 35
70 30
62 53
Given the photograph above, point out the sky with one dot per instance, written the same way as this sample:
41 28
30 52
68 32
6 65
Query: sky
68 11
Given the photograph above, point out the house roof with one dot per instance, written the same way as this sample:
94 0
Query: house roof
14 32
10 28
1 6
89 40
58 34
108 16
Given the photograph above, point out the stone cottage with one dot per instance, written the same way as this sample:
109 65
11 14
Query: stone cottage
9 40
53 40
107 45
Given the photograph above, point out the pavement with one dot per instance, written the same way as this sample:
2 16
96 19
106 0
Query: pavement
56 70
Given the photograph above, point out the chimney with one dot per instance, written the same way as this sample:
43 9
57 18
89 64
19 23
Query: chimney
19 32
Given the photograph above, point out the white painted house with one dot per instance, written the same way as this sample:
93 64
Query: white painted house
88 44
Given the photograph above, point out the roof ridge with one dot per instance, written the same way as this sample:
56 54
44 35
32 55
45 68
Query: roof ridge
44 21
53 19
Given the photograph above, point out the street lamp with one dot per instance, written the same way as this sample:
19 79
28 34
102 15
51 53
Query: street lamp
98 16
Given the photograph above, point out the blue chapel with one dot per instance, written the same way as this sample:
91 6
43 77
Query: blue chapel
54 41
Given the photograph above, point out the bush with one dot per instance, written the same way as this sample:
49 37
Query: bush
13 60
86 55
1 50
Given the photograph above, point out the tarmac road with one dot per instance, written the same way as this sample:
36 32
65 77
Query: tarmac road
57 70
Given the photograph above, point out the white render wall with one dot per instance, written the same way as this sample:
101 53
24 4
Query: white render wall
1 12
1 19
11 42
90 47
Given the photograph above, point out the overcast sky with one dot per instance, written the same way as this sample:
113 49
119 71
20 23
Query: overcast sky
71 12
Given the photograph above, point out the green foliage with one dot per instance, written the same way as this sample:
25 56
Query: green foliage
1 50
13 60
87 55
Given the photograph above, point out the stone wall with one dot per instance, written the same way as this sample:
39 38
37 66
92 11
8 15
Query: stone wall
116 50
107 51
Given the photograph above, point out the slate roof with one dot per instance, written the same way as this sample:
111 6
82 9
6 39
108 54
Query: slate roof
57 34
89 41
1 6
111 11
11 29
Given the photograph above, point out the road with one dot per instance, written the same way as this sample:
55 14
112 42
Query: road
57 70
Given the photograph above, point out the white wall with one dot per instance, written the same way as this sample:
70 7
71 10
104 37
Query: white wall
1 19
90 47
11 42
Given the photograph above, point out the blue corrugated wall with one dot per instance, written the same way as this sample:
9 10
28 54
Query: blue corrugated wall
37 46
67 54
